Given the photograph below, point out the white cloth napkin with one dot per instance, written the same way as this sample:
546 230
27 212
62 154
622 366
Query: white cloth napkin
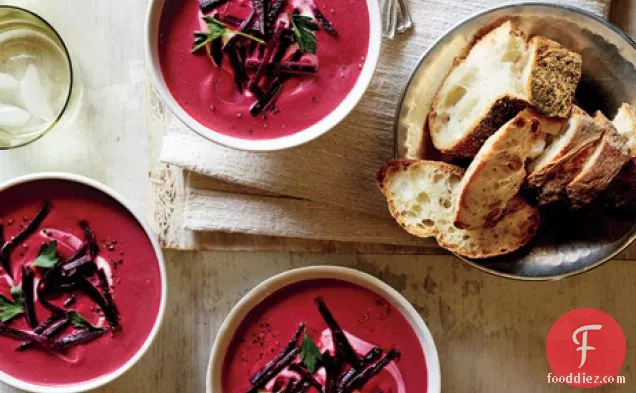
338 169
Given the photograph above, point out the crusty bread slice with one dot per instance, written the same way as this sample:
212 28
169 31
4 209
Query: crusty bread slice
501 75
625 123
607 159
496 174
621 192
581 131
555 73
421 196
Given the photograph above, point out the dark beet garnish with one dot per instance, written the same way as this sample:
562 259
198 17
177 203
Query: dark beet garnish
267 57
70 301
56 324
363 377
236 61
83 263
23 335
217 52
332 368
273 372
272 15
304 373
371 356
209 5
261 10
343 347
27 289
291 385
320 17
105 287
231 20
268 98
78 338
291 345
32 226
286 68
109 312
286 39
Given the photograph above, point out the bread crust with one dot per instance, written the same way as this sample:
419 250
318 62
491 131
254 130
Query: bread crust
555 74
586 133
496 174
519 225
609 157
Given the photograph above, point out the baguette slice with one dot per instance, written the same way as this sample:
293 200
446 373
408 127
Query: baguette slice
501 75
621 192
421 197
562 155
609 156
496 174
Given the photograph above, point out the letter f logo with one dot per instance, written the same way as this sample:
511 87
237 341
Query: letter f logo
583 343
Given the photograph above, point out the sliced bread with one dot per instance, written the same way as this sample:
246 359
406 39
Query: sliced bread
421 196
563 153
607 159
621 192
496 174
500 75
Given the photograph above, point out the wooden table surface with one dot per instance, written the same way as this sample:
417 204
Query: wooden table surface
490 332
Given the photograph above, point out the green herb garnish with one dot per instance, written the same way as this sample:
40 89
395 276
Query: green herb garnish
310 354
18 296
48 256
9 309
217 29
304 27
79 322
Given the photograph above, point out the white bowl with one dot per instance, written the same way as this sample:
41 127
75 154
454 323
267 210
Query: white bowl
273 284
153 18
105 379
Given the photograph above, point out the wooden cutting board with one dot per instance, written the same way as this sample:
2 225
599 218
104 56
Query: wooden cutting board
168 199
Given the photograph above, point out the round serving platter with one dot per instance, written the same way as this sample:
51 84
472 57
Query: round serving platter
569 242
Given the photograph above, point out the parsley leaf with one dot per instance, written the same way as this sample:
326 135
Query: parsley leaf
48 256
310 354
8 309
216 29
18 296
304 27
79 322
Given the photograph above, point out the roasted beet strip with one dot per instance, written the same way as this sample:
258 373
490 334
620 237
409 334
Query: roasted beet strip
363 377
267 57
332 370
105 287
32 226
288 67
56 327
216 51
272 15
320 17
371 356
343 347
234 53
78 254
260 6
291 385
273 372
267 99
306 376
291 345
89 236
109 312
27 289
209 5
78 338
81 262
286 39
22 335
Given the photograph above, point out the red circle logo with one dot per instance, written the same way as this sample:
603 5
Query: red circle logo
586 348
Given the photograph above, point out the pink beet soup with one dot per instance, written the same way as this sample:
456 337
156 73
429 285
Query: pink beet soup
367 320
209 92
120 255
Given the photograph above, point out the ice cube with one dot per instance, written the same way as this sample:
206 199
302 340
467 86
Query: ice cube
7 82
34 96
12 116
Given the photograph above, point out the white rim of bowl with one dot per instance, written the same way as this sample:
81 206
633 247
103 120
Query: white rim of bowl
103 380
255 296
153 19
